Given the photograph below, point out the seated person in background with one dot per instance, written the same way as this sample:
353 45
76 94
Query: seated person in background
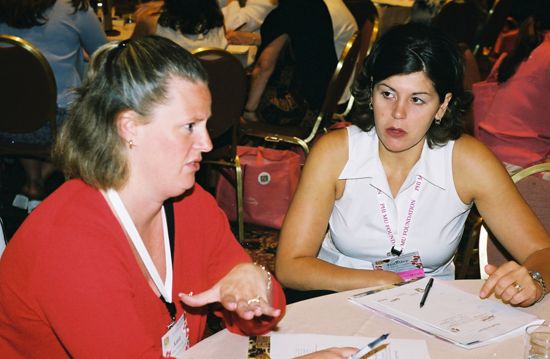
311 41
514 124
400 182
61 30
189 23
248 18
100 269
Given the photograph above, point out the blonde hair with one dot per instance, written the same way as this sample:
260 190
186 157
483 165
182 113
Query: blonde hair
127 75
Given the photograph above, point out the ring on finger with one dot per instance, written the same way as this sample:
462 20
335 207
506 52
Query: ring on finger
253 300
517 286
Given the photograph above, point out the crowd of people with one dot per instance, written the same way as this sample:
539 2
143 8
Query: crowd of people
129 256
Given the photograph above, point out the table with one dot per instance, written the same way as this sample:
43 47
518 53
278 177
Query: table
334 314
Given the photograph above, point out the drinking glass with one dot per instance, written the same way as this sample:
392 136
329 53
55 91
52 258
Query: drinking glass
537 342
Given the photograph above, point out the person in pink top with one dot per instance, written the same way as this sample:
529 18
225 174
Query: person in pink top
512 107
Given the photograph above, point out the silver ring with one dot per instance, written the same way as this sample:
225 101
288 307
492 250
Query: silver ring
253 300
517 286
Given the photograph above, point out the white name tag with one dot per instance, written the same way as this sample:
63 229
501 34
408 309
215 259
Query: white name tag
176 341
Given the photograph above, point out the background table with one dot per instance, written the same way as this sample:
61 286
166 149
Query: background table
335 314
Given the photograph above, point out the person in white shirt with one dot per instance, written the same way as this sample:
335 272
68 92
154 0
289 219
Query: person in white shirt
400 182
247 18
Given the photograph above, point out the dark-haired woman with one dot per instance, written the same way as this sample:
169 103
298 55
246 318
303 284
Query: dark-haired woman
515 125
400 182
189 23
61 30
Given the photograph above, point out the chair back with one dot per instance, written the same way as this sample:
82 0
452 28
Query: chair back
536 192
366 14
302 135
338 83
227 84
460 20
494 22
28 93
26 73
228 87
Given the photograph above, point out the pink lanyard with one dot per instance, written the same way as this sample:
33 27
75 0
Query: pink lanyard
396 250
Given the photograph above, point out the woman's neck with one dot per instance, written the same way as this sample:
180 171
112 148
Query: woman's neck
397 165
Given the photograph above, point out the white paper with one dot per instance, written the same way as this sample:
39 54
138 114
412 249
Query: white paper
449 313
284 346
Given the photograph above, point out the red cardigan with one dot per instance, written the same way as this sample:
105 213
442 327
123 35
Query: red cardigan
70 285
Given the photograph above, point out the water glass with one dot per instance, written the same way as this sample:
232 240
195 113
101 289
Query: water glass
537 342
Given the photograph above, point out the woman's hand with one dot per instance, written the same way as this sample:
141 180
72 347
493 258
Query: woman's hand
512 283
243 290
146 16
331 353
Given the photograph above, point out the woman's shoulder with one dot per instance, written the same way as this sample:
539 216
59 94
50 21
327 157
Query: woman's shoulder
475 167
332 143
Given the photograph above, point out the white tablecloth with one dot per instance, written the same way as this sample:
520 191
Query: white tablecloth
334 314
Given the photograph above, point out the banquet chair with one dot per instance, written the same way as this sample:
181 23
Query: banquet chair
460 20
366 14
536 192
228 85
28 95
301 135
493 24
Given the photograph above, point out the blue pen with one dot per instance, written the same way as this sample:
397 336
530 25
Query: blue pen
369 346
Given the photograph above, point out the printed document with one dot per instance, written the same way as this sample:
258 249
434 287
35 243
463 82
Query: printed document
449 313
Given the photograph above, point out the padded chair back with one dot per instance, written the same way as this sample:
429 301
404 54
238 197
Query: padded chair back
227 84
536 192
460 20
495 21
28 94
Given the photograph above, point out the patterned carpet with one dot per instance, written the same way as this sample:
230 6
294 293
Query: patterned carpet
261 244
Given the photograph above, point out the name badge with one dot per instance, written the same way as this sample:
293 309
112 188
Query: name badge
408 266
175 342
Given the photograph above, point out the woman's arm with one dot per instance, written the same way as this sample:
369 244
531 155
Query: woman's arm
480 177
306 222
147 15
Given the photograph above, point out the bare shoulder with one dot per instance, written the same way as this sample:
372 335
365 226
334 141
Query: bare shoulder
475 168
331 148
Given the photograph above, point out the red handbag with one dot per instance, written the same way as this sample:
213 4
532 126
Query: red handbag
270 178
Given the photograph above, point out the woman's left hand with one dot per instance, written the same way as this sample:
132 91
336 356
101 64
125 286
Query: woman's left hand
243 290
512 283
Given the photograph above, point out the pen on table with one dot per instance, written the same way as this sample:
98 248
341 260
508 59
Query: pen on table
426 292
369 346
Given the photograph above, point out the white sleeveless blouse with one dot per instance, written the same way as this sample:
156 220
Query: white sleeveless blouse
357 235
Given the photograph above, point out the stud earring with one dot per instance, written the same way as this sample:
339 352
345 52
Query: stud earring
131 143
437 121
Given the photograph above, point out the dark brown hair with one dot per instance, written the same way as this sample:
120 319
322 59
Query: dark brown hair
410 48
